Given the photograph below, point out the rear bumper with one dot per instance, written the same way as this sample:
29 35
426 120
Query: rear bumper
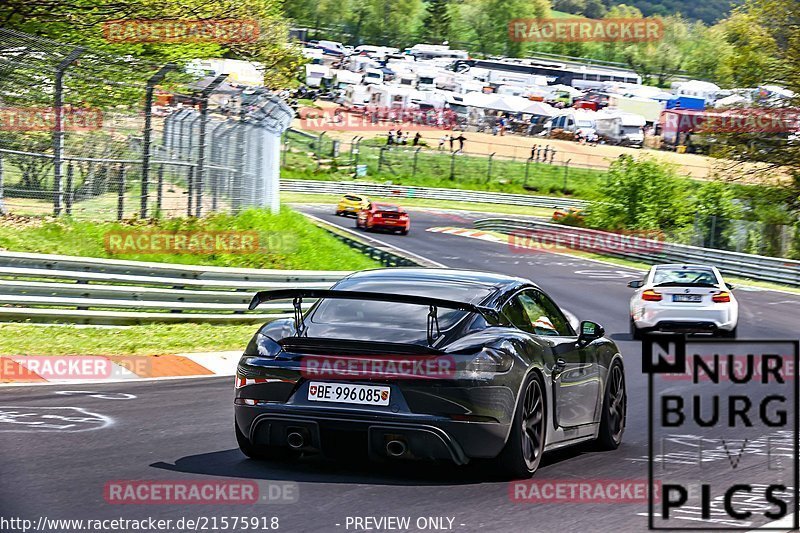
391 225
706 318
333 431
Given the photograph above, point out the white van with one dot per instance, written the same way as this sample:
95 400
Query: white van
572 120
373 75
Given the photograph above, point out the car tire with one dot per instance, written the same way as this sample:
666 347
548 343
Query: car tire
522 453
615 408
404 232
263 453
728 334
338 213
637 334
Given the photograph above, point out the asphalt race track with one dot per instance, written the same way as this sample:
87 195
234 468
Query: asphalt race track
182 429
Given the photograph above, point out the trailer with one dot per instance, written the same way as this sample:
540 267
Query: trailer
648 108
619 127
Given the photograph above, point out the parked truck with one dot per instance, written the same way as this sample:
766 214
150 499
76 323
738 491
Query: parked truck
619 127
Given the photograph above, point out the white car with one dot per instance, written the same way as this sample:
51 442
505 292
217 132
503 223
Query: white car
683 298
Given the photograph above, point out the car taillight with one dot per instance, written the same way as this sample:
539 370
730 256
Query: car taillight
651 296
403 215
721 297
377 215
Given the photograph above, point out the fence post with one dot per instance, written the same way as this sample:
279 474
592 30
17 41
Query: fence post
160 189
453 165
69 196
3 210
215 172
489 167
121 192
238 177
58 129
319 146
380 158
566 173
527 172
416 154
201 149
190 191
355 150
148 130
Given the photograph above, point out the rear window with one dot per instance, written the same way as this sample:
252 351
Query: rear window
384 207
393 315
701 276
352 198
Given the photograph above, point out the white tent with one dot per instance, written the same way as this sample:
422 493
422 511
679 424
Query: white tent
540 108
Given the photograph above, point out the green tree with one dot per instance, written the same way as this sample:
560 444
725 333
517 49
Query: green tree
642 194
754 50
485 23
436 24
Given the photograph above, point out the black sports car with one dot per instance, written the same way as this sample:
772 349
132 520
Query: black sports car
428 364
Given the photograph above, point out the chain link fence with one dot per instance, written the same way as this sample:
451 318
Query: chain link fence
96 136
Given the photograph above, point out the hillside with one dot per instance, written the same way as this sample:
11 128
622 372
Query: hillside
708 11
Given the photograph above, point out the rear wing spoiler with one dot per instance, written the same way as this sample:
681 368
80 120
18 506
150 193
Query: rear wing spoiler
297 295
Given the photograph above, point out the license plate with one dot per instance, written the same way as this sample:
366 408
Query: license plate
687 297
345 393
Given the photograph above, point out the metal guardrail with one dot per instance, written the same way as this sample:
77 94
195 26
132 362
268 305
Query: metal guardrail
756 267
81 290
430 193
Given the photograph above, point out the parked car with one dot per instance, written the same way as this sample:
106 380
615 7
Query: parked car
519 379
683 298
351 204
383 216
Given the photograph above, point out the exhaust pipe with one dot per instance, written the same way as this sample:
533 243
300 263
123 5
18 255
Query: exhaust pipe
396 448
295 440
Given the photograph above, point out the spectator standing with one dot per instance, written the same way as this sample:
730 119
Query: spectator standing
452 139
461 140
417 137
390 138
442 140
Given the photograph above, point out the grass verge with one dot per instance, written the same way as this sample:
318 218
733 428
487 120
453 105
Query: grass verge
150 339
286 240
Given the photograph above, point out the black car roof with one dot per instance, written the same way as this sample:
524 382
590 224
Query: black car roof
440 276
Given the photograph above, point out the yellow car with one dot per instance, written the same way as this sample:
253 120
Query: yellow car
351 204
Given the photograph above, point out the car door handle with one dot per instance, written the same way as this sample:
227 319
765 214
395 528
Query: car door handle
559 366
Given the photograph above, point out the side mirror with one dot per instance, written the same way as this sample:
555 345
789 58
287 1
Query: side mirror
635 284
590 331
730 286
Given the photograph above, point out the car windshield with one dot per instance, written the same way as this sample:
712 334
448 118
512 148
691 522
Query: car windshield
682 276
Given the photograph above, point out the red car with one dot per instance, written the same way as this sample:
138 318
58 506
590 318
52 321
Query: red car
383 216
